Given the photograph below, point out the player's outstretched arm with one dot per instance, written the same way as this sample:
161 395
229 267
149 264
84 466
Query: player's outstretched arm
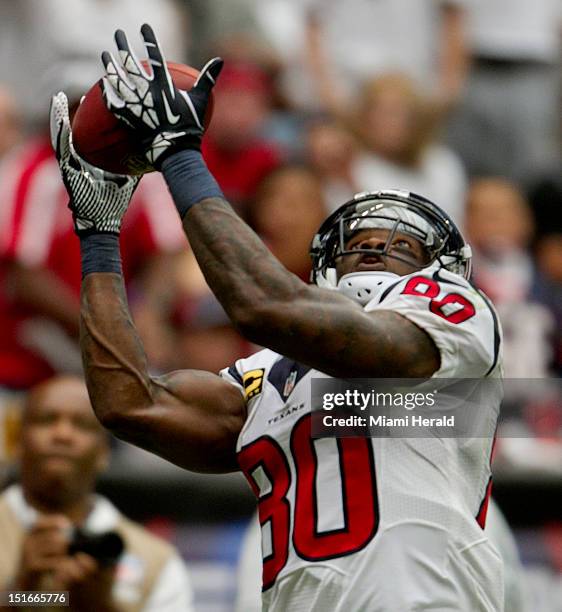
271 306
190 418
315 326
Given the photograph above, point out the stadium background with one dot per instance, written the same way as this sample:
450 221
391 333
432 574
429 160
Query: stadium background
458 100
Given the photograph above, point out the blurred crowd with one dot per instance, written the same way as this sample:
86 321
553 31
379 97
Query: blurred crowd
458 100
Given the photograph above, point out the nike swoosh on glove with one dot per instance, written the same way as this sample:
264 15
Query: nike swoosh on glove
165 118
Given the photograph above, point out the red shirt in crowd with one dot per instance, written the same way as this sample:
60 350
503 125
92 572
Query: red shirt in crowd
36 232
239 172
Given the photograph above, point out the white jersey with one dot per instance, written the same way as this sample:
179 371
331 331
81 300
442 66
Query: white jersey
365 524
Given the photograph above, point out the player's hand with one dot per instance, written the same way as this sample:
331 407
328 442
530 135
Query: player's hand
98 199
166 119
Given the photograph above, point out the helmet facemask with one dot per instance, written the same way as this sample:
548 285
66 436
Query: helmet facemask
397 212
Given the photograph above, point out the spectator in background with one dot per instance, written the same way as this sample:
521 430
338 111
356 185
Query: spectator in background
547 289
331 149
288 209
237 35
63 450
348 42
499 225
397 125
40 279
37 61
546 200
509 121
387 141
205 337
10 135
10 121
217 31
233 148
39 284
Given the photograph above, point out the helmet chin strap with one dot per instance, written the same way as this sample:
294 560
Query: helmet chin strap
362 287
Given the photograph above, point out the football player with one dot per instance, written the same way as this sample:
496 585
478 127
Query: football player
387 524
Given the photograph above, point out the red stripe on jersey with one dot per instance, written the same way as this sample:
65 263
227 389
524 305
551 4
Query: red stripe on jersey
483 512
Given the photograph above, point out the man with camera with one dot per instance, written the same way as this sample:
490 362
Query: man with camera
58 536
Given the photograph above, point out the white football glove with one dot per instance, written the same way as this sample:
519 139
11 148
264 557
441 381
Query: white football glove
98 199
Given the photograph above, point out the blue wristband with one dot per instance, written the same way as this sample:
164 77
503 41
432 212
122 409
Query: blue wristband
100 253
189 179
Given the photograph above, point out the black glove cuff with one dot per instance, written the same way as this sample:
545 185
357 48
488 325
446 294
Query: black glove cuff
100 253
189 180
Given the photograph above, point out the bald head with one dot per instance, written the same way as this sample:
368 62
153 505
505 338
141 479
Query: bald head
63 447
61 390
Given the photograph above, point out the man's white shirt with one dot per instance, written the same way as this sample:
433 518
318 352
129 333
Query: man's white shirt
172 591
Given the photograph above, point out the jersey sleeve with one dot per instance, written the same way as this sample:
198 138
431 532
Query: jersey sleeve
459 319
249 375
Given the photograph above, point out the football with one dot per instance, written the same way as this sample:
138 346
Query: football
108 143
